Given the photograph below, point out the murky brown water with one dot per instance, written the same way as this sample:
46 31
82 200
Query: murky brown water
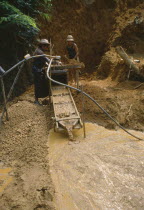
5 178
103 171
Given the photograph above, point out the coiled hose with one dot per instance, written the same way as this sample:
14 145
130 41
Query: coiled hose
93 100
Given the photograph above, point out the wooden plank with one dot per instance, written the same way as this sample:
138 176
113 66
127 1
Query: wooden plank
61 67
73 103
64 106
67 118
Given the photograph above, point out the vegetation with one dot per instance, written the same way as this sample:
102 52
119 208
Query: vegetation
20 17
19 28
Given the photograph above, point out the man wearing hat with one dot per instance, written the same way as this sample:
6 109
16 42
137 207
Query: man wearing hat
41 86
72 49
73 53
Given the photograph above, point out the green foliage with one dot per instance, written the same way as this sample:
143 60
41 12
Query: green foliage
18 31
19 17
12 15
43 9
34 7
13 18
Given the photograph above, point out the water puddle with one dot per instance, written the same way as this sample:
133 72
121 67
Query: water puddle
99 172
5 178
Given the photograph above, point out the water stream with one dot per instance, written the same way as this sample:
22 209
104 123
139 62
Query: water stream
103 171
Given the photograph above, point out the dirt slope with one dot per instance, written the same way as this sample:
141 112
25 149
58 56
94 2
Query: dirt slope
129 34
97 26
89 24
121 100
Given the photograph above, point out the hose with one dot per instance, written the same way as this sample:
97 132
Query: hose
93 100
26 59
16 78
11 89
80 91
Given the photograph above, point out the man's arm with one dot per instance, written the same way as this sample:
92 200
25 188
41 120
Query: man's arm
40 52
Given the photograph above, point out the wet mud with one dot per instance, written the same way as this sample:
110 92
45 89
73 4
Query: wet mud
103 171
40 169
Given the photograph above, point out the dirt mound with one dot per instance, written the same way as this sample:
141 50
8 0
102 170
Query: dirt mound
24 151
121 100
128 32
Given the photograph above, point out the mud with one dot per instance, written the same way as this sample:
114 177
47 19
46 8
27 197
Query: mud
25 182
123 101
107 166
103 171
42 170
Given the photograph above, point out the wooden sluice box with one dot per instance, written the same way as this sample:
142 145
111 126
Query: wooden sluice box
66 115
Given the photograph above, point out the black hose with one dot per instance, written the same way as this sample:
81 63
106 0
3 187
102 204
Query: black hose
80 91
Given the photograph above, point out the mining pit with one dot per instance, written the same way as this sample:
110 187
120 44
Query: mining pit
41 169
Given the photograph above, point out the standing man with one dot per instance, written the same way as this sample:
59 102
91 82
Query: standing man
41 86
72 49
72 53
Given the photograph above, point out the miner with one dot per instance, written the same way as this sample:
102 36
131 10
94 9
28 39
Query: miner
41 86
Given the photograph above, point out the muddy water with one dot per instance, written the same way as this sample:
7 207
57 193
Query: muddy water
5 178
103 171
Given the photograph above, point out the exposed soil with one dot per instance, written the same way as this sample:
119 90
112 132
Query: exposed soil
128 34
104 171
98 27
123 101
89 24
24 157
24 141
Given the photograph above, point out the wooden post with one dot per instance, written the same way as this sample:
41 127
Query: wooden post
77 78
127 60
77 74
51 47
12 87
83 113
4 97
